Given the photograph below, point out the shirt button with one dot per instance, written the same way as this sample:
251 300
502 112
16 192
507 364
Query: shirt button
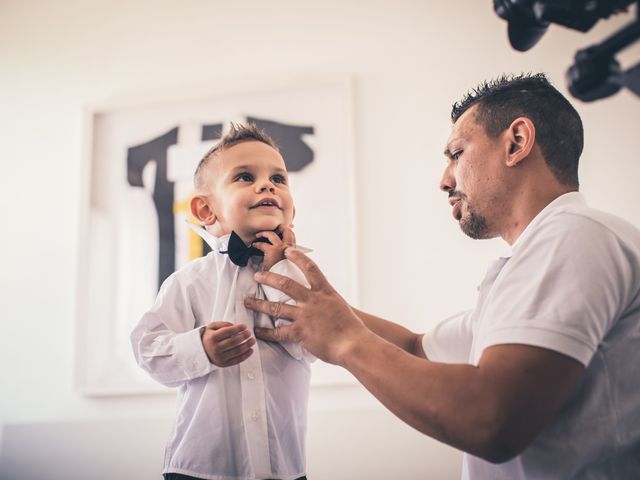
250 376
254 415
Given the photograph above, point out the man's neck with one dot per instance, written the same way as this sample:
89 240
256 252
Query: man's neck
525 208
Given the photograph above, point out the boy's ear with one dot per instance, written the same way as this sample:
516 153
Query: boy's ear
202 211
521 135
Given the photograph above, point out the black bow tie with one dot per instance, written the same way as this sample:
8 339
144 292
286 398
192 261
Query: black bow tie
238 251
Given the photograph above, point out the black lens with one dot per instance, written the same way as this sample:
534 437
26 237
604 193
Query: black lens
523 26
525 36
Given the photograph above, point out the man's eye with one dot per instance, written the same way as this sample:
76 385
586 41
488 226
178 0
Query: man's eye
278 179
244 177
456 155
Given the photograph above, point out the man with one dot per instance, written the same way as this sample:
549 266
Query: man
541 379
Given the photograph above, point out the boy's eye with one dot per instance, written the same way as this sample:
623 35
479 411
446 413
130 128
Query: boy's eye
278 179
244 177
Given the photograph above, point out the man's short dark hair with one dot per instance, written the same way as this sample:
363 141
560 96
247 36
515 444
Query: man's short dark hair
559 132
238 133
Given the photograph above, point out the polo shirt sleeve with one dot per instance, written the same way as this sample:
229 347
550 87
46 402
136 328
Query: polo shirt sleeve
450 340
166 343
562 289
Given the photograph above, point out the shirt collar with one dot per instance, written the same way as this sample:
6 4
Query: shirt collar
563 201
216 243
220 243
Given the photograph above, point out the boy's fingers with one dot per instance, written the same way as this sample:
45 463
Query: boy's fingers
218 325
274 309
311 271
271 236
261 246
240 358
230 343
236 351
288 237
222 330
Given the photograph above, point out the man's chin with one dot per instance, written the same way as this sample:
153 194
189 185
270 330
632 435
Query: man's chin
475 226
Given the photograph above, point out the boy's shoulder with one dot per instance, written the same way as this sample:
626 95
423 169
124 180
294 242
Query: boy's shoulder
199 267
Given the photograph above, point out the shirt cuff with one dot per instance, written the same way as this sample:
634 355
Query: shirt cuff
192 357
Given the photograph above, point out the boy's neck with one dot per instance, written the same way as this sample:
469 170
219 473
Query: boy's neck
218 232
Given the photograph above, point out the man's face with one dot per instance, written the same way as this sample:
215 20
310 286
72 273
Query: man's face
474 178
251 190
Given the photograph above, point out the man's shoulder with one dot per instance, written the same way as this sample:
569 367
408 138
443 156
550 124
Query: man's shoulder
580 233
589 224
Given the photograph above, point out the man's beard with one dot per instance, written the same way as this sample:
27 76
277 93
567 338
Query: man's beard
475 226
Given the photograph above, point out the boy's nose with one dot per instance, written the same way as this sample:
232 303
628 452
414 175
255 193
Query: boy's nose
265 186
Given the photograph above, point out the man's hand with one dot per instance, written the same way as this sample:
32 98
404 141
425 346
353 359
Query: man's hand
227 344
323 322
274 252
515 389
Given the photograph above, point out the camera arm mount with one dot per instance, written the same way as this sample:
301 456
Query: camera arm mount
597 74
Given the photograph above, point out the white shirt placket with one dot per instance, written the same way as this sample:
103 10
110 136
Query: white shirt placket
484 289
254 410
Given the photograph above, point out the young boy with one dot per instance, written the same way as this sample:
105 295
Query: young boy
241 405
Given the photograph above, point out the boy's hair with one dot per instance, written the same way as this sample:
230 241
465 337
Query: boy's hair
559 132
238 133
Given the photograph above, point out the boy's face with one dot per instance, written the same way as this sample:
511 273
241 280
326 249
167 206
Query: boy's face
249 190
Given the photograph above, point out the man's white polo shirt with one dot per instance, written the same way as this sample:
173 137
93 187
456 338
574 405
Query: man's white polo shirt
571 284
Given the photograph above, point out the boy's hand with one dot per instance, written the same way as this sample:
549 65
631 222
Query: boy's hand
274 252
227 344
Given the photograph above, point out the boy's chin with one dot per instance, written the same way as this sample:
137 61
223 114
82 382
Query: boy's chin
251 233
265 226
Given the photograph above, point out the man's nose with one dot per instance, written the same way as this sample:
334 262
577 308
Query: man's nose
448 181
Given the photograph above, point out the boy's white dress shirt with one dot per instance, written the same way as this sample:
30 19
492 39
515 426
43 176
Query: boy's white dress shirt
571 283
247 421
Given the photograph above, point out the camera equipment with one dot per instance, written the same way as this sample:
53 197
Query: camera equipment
595 73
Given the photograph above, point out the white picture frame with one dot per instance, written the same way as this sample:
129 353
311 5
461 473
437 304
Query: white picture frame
122 220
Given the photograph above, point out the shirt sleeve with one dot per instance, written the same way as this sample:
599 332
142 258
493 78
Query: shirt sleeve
289 269
562 291
166 343
450 340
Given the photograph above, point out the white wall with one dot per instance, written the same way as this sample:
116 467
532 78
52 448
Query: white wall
410 60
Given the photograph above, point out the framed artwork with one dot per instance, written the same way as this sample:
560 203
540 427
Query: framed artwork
141 160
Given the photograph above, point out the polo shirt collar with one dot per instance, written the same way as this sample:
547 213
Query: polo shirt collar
563 201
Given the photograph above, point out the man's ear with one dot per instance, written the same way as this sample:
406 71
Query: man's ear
202 211
521 135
